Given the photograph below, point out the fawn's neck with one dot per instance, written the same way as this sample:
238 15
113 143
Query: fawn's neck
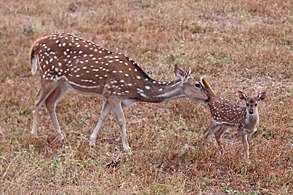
251 120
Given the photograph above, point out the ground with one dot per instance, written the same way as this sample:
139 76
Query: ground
239 45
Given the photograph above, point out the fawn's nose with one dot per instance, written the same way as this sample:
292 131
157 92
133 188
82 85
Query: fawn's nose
250 111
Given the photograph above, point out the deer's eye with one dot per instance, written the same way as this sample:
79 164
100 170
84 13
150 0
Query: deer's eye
197 85
255 104
247 104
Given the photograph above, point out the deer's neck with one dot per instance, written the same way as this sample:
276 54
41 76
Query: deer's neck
161 91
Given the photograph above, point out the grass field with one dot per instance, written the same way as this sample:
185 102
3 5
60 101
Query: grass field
239 45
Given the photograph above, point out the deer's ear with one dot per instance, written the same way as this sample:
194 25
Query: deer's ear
188 72
178 72
261 96
242 96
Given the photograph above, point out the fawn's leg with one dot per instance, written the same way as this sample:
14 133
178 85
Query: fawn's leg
244 139
45 90
218 135
51 103
211 130
252 134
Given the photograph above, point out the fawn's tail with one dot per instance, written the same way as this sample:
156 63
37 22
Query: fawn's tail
207 87
34 57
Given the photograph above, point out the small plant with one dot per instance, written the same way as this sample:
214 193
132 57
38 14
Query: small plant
180 56
228 189
28 30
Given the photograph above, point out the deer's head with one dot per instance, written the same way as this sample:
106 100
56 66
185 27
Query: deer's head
191 87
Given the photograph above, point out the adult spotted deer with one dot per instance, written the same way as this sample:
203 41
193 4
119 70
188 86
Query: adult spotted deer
66 61
226 114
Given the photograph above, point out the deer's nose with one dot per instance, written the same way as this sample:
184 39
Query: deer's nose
250 111
208 99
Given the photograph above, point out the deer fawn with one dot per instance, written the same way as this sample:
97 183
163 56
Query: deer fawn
226 114
67 62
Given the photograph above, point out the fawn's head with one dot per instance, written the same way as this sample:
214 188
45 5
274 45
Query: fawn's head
252 102
191 88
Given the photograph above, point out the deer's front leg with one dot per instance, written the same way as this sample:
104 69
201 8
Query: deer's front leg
105 111
118 112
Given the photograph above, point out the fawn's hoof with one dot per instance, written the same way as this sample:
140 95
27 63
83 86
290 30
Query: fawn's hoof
127 149
92 143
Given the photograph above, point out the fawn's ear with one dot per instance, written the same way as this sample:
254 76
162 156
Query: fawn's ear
261 96
242 95
181 75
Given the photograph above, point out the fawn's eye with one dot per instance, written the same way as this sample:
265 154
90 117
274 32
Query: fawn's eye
255 104
197 85
247 104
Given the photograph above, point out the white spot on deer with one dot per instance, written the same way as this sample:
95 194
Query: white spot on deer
147 87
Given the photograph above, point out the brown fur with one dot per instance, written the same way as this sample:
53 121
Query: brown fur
226 114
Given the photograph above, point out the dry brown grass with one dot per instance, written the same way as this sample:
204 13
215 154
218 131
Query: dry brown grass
238 44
